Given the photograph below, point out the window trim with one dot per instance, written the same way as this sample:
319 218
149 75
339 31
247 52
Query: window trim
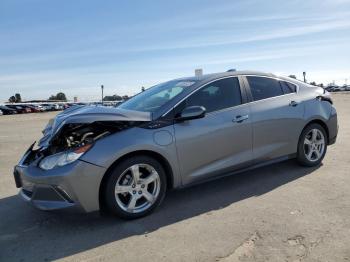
244 95
246 82
244 88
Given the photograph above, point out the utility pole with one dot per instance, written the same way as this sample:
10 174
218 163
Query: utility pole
102 94
304 74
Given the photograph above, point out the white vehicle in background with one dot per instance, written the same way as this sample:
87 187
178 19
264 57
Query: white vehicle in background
335 88
51 107
346 87
1 113
338 89
57 107
46 107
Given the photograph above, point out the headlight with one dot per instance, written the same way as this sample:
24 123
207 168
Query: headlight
64 158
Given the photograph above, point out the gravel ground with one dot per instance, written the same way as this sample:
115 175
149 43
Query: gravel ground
281 212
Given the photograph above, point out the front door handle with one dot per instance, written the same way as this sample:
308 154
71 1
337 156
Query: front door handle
293 103
240 119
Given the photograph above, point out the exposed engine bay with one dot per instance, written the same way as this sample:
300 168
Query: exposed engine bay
79 127
77 135
73 136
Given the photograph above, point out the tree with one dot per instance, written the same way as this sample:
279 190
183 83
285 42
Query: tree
16 98
112 98
12 99
293 76
60 96
313 83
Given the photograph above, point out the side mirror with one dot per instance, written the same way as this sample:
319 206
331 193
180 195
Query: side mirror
191 112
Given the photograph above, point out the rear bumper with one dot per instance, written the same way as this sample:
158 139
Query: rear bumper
74 186
333 127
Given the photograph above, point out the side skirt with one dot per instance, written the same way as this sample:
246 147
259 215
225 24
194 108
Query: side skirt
255 166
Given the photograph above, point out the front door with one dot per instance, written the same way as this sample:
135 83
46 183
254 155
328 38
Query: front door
221 141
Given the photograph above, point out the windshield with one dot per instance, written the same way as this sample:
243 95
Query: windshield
156 96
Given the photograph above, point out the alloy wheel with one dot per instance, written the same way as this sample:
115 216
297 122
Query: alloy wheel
314 145
137 188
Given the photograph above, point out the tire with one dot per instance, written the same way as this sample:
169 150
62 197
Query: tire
139 199
307 144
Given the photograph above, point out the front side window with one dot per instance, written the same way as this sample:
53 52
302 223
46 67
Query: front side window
217 95
155 97
264 87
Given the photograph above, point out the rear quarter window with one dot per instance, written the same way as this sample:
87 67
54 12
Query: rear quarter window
288 87
264 87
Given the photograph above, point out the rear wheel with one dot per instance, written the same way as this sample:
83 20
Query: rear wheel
312 145
135 187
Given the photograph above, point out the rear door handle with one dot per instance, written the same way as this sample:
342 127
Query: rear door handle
240 119
293 103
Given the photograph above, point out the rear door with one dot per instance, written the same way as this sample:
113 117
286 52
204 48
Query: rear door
277 117
222 140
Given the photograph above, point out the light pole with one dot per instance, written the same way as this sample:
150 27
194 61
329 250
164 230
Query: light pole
304 74
102 94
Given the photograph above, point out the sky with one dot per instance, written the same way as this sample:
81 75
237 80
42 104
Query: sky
73 47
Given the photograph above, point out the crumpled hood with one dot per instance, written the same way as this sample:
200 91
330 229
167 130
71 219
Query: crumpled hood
89 114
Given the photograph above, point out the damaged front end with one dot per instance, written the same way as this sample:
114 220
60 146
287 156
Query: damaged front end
50 175
72 133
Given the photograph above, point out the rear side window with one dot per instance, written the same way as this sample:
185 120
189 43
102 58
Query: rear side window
288 87
218 95
264 87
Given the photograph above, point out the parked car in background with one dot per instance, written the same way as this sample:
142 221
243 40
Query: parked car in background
68 105
35 108
19 109
175 134
27 108
346 87
333 88
47 107
56 107
1 113
7 110
337 89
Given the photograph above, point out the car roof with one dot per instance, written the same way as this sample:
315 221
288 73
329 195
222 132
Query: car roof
207 77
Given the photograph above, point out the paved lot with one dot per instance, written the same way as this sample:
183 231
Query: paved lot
281 212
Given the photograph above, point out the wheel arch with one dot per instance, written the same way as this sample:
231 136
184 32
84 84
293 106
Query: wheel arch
321 123
161 159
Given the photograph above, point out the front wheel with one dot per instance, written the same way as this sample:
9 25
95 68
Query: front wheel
135 187
312 145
